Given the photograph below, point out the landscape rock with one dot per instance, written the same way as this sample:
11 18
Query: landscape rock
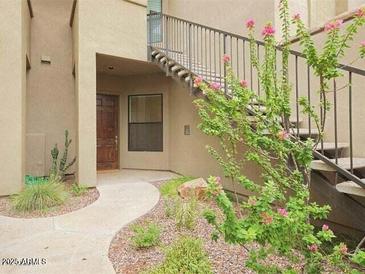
195 188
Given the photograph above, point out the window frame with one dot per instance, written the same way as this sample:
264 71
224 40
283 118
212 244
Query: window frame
130 123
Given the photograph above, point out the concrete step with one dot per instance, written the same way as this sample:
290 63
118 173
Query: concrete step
344 163
182 73
163 60
352 188
305 132
154 53
295 122
328 146
176 68
159 56
257 108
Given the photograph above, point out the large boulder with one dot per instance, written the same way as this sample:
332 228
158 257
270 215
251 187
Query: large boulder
195 188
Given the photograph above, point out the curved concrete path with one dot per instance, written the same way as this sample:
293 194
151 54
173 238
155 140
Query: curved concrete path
78 242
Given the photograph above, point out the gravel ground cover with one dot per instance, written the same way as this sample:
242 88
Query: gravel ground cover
224 258
127 259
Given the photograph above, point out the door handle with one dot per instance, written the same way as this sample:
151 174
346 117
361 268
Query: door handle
116 142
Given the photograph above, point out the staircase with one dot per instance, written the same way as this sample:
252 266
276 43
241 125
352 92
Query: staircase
185 50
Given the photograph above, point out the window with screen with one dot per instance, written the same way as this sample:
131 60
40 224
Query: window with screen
145 123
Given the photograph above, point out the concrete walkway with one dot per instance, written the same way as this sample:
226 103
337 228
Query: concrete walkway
78 242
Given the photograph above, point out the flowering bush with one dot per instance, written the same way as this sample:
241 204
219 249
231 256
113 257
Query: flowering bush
277 215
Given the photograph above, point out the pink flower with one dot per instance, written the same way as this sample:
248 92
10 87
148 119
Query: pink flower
362 43
226 58
283 135
283 212
360 12
313 248
215 86
250 24
243 83
266 218
334 25
268 30
296 17
325 227
218 179
343 249
197 81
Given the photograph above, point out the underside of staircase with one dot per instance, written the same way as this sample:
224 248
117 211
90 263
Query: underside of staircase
337 174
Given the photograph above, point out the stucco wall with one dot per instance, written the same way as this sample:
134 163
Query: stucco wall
353 4
228 15
13 48
119 29
51 97
188 153
130 85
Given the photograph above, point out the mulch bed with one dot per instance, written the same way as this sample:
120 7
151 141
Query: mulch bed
72 203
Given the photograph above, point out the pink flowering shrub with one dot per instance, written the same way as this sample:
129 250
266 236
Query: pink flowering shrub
243 83
333 26
276 221
198 81
268 30
215 86
250 24
226 58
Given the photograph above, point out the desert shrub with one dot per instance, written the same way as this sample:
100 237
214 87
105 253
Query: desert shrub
169 189
187 256
78 189
186 213
40 196
170 207
146 235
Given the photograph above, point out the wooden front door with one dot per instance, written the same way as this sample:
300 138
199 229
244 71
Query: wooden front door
107 131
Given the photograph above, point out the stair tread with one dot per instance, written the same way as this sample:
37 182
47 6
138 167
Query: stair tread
332 146
305 131
342 162
350 187
302 131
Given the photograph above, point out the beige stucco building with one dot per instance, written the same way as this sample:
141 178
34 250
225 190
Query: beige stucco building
83 65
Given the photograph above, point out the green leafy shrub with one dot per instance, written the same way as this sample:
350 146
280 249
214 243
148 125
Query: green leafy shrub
78 189
169 189
278 222
40 196
359 258
146 235
187 256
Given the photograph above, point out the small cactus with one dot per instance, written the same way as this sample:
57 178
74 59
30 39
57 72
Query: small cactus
59 169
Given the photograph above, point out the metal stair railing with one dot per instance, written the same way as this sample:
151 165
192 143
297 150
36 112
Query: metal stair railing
200 48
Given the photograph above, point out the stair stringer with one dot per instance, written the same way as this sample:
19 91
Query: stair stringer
346 213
